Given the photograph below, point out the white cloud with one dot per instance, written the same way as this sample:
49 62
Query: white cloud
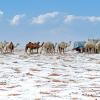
16 19
93 18
1 13
44 18
70 18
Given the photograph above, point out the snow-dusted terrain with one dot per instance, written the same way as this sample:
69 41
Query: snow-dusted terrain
72 76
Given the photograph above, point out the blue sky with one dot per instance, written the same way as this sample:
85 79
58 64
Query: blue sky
49 20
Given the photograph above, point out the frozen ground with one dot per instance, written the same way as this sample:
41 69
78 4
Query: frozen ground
71 76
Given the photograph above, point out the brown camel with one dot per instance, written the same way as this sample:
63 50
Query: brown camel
32 46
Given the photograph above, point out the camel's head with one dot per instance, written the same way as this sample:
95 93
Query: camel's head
11 42
38 42
29 43
42 43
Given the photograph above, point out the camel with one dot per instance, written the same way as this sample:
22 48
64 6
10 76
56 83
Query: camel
9 47
89 47
32 46
48 47
97 47
1 47
62 46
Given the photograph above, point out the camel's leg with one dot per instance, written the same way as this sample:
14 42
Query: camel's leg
30 51
98 50
26 50
37 50
51 50
92 50
48 51
86 50
1 50
89 50
13 50
59 50
81 50
54 50
10 50
63 50
6 50
41 50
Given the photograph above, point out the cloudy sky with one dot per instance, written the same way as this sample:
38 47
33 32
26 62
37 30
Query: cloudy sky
49 20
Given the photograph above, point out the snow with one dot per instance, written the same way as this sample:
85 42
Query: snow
70 76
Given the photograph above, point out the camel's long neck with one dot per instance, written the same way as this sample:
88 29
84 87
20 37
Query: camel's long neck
16 45
55 45
5 43
69 43
41 44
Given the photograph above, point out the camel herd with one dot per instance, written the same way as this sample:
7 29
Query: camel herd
47 47
90 46
7 47
51 48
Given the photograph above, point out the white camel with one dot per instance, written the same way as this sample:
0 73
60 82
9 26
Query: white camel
48 47
97 47
9 47
62 46
89 47
1 47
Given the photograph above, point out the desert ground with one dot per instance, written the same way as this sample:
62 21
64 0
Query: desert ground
69 76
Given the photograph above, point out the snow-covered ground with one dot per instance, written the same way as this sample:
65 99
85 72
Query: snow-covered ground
72 76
